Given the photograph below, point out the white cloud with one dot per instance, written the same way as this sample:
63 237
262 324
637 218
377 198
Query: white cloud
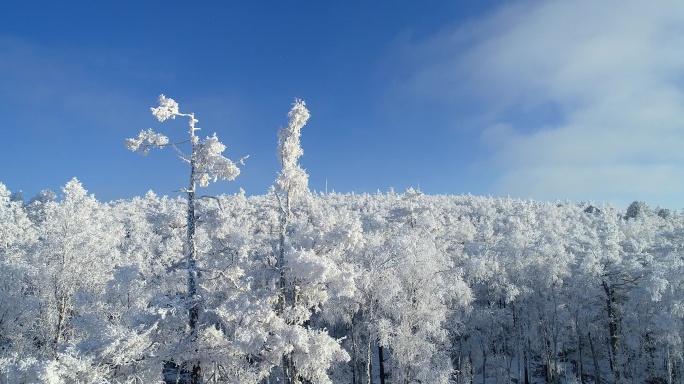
613 72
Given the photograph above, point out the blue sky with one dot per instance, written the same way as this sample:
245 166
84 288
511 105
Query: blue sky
551 100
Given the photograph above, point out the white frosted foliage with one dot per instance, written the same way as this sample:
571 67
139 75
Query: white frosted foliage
207 155
211 164
145 140
292 179
168 108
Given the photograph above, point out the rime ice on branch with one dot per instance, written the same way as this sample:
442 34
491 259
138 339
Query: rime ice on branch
206 164
292 180
206 159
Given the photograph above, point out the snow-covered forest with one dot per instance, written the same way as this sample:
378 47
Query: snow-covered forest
309 287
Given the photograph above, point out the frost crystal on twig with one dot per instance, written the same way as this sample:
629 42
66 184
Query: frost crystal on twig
168 108
145 140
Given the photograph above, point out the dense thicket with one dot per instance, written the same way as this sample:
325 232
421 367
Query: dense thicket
390 287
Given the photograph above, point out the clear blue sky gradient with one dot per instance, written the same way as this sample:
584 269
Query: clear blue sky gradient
570 100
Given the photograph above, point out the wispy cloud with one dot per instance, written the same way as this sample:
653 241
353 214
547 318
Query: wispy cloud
83 83
67 111
578 99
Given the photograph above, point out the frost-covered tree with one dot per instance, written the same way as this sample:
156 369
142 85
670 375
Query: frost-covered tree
292 183
17 308
35 208
138 329
304 272
76 235
206 164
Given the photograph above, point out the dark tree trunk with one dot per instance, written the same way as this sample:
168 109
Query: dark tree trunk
597 370
580 364
193 300
612 329
381 363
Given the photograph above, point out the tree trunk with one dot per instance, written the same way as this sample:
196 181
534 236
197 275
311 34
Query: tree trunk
484 365
285 296
526 369
650 363
580 365
381 363
597 370
354 352
369 365
528 362
193 301
669 366
612 329
61 320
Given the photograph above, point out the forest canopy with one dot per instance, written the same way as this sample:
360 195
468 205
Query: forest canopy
421 288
